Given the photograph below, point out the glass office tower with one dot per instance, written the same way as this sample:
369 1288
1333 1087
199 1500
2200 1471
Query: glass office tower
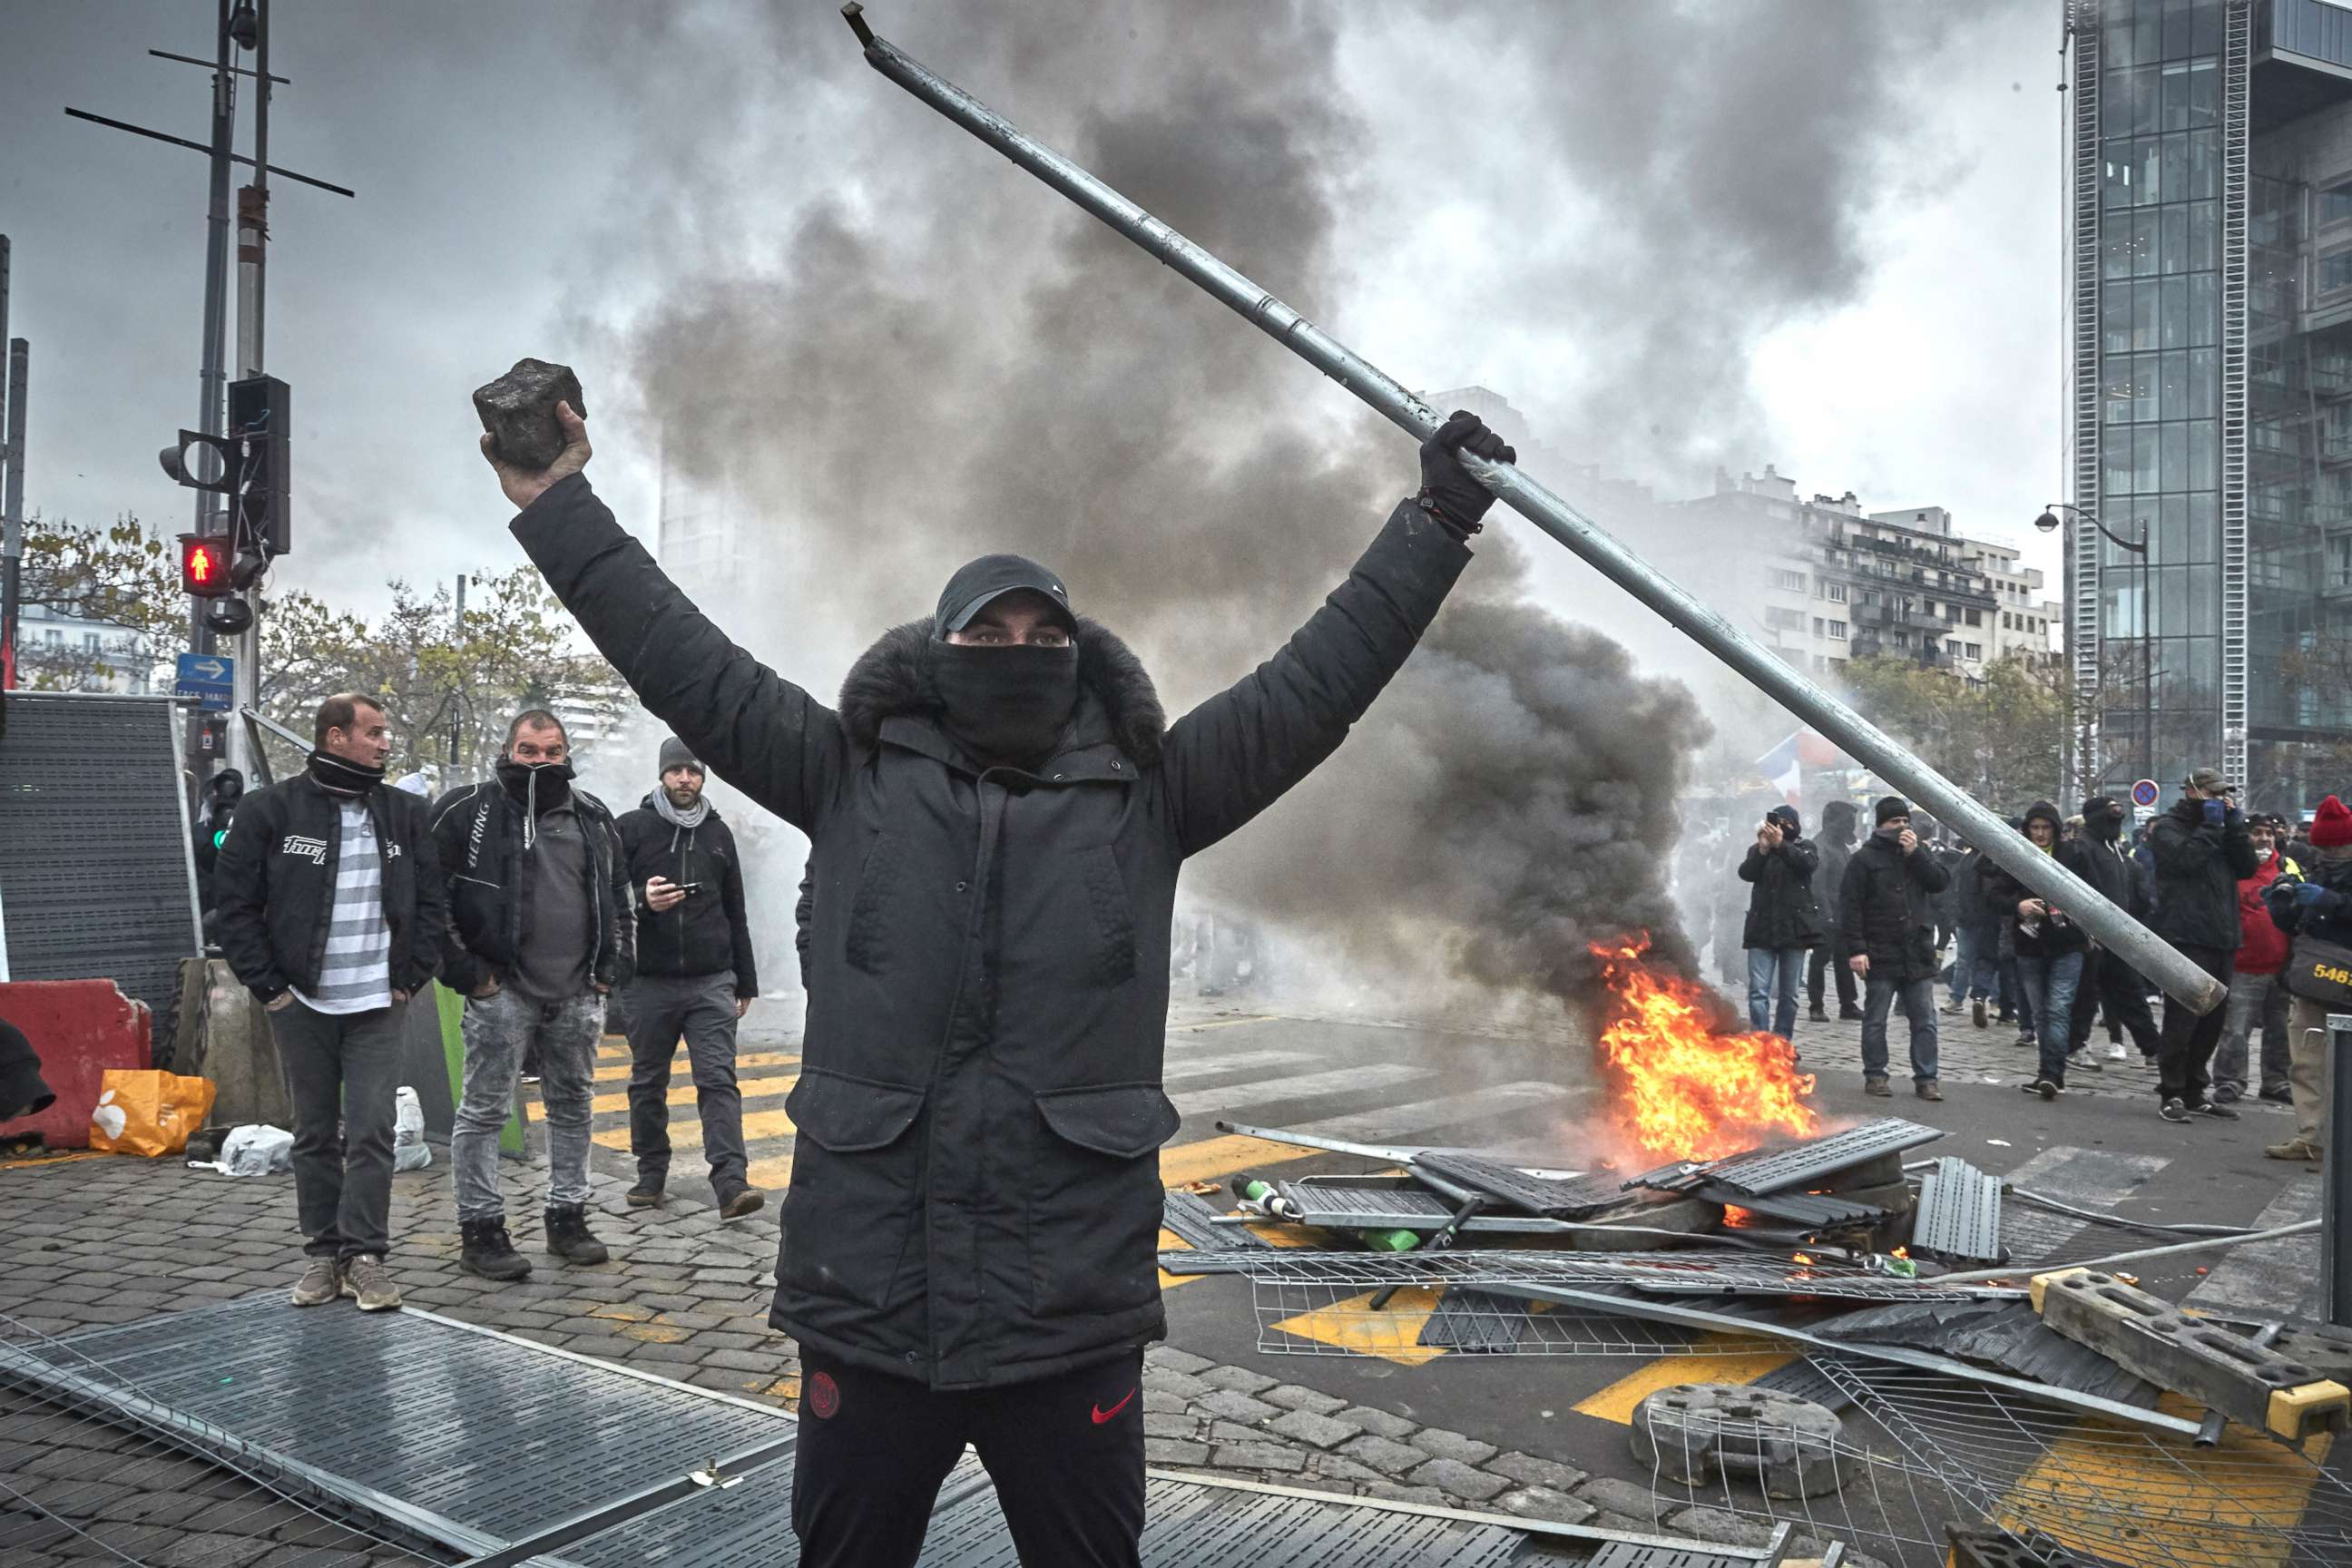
2212 318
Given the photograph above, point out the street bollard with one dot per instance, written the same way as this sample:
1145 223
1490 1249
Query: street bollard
2336 1183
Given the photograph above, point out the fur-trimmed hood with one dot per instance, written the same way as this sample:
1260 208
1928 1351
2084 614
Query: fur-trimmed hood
893 678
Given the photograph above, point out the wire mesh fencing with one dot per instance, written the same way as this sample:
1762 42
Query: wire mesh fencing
90 1468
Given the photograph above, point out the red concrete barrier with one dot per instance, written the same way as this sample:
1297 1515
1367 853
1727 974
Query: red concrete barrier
78 1028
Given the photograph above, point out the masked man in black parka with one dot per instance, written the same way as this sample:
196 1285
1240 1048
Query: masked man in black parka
998 812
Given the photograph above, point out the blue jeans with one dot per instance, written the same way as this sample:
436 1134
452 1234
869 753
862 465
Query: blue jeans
1975 971
1769 967
1918 1002
2048 984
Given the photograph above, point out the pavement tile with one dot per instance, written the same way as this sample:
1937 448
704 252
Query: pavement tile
1292 1397
1339 1468
1379 1422
765 1360
1528 1470
1714 1524
1429 1496
1234 1432
1170 1424
1383 1454
1544 1502
1257 1456
1239 1379
1236 1405
1316 1431
1166 1379
641 1352
1174 1359
1455 1445
1635 1502
1157 1401
1457 1478
1174 1451
210 1551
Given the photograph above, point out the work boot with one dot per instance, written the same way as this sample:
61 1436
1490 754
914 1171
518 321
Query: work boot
1849 1014
2174 1110
367 1281
2295 1148
2046 1088
318 1285
1876 1084
740 1202
2278 1094
2213 1108
489 1253
647 1194
2025 1042
2228 1094
1977 1013
568 1237
1928 1088
1818 1014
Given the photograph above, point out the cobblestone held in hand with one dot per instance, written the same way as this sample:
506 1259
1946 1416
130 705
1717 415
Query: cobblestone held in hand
519 411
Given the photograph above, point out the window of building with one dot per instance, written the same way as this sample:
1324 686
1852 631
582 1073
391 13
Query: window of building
1952 646
1869 595
1783 578
1789 620
1973 651
2333 270
1836 592
1837 631
1976 617
90 642
1902 640
2335 203
54 637
2339 561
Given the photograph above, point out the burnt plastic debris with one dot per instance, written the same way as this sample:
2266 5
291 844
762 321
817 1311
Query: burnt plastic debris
519 411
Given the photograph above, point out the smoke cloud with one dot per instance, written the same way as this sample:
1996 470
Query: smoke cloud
940 357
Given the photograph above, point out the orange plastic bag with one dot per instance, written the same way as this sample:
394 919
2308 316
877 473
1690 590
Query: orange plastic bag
141 1110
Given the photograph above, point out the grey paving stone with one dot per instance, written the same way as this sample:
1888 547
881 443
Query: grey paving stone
1159 1400
1238 1378
1396 1493
738 1361
1530 1471
1339 1468
1292 1397
1457 1478
209 1550
1257 1456
1167 1380
1458 1447
1234 1432
686 1354
1317 1431
1714 1524
1157 1424
1804 1548
1236 1405
1383 1454
1174 1359
1379 1422
1174 1451
1621 1497
1543 1502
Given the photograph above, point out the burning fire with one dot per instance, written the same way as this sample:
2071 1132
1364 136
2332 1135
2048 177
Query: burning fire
1683 1092
1738 1217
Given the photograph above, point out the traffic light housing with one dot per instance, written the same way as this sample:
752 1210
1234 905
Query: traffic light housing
260 417
204 565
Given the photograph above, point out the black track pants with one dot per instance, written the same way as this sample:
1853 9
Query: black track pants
1066 1454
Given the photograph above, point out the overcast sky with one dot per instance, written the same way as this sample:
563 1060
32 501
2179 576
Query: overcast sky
1820 237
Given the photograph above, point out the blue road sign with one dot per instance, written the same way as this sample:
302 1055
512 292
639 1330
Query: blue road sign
209 678
2143 792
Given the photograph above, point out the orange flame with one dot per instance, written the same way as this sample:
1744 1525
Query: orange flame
1736 1216
1683 1092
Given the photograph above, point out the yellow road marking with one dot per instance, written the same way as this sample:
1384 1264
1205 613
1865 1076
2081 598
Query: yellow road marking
1616 1402
679 1068
2101 1490
685 1133
1224 1024
771 1176
1392 1333
682 1092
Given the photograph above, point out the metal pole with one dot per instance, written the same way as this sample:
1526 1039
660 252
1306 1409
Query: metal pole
252 263
12 492
209 411
2114 929
2336 1184
456 701
10 544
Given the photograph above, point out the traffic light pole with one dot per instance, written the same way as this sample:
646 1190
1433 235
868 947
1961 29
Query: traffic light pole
213 383
252 237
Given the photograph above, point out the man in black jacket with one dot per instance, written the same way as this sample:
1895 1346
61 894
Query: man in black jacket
2049 945
1829 953
330 910
694 977
2106 978
1782 920
2201 851
998 813
1886 910
539 932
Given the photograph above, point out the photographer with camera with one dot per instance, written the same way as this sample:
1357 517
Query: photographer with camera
2202 851
695 977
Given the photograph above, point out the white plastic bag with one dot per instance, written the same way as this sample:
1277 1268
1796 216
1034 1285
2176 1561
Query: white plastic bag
252 1151
409 1149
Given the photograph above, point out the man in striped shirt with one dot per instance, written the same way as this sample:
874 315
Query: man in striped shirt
331 911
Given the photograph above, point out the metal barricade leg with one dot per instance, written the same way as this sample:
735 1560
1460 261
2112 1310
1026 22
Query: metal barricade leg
2334 1255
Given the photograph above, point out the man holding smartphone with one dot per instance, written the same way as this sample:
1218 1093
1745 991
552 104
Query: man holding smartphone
694 977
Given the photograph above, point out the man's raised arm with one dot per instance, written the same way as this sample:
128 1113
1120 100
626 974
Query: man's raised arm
760 733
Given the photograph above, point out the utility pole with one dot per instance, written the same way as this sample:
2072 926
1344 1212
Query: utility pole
12 541
252 237
211 381
12 496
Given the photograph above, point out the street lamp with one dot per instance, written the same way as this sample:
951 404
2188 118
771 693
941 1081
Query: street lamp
2048 523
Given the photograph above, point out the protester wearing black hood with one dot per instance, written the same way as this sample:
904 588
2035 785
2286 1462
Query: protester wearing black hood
1831 954
331 909
695 978
2049 945
540 931
1887 910
1782 920
2106 978
999 812
2201 851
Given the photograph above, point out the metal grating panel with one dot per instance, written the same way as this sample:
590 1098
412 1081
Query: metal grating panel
2237 52
1812 1211
1190 1216
1761 1171
95 877
1366 1208
1959 1213
1576 1199
1625 1555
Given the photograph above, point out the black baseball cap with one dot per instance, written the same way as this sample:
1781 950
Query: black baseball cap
992 576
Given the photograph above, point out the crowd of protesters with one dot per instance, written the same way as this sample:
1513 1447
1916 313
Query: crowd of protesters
2265 912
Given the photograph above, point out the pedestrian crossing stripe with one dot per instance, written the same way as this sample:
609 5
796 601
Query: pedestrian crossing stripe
681 1091
1392 1334
1617 1402
618 1072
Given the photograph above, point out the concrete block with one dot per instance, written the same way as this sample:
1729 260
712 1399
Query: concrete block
1693 1431
2145 1335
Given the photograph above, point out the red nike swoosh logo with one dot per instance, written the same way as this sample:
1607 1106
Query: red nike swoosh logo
1102 1415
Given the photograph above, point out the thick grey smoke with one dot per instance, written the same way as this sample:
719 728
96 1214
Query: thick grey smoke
945 358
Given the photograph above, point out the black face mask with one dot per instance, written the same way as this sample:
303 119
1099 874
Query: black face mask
339 775
541 786
2105 829
1005 704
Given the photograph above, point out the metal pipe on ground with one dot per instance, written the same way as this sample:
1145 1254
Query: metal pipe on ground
2336 1183
2204 1244
2114 929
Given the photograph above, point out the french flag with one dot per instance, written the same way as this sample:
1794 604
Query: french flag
1784 764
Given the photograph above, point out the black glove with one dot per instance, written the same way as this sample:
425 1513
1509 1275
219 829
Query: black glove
1445 484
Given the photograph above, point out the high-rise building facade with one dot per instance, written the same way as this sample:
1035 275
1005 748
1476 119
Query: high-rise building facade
2209 619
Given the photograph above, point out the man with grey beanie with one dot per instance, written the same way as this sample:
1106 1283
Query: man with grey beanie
694 977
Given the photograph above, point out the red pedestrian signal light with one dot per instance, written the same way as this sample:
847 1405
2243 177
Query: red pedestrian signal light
204 567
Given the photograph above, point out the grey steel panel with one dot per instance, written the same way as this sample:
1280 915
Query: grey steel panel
1576 1199
1959 1213
2004 1335
1189 1215
96 875
468 1426
1625 1555
1761 1171
1365 1209
1809 1211
1475 1320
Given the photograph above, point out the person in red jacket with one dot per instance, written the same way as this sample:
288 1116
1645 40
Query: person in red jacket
2262 949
